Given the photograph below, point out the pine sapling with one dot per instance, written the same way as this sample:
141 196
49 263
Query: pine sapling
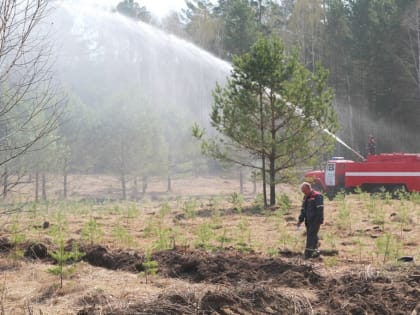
62 257
17 238
150 266
223 238
92 231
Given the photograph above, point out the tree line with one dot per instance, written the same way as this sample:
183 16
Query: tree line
371 50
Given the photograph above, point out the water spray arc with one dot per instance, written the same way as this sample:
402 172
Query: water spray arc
315 123
100 52
170 71
344 144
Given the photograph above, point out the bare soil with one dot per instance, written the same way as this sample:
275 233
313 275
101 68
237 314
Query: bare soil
252 263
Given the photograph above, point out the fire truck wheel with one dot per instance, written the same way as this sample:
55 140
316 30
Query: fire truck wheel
331 194
318 187
398 192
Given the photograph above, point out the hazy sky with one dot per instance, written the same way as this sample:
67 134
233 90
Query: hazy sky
162 7
159 8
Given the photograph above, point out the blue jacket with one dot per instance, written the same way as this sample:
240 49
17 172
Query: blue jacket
312 210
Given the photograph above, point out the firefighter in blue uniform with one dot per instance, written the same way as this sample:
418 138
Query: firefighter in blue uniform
312 213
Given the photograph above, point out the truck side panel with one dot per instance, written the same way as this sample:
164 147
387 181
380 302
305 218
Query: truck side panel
395 169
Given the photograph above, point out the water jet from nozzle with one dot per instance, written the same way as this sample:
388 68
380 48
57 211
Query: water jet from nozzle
344 144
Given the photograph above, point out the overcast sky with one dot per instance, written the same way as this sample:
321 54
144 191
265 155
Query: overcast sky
162 7
158 8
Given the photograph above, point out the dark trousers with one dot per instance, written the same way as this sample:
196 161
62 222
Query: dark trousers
312 230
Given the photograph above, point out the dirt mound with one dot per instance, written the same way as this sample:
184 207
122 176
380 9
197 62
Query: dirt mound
352 294
252 284
200 266
36 251
245 299
30 250
100 257
347 295
232 268
5 245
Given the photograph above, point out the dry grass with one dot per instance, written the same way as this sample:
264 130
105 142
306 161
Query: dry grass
352 226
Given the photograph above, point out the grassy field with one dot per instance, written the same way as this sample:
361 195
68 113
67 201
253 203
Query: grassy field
204 249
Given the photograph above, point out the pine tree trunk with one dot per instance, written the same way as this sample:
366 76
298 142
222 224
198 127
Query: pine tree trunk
272 183
241 181
145 183
135 190
5 183
65 185
122 169
169 187
44 191
123 186
264 181
65 179
36 186
169 183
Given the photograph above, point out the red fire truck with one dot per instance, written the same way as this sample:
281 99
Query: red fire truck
391 171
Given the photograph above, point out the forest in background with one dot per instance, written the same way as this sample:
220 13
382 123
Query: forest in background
371 49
